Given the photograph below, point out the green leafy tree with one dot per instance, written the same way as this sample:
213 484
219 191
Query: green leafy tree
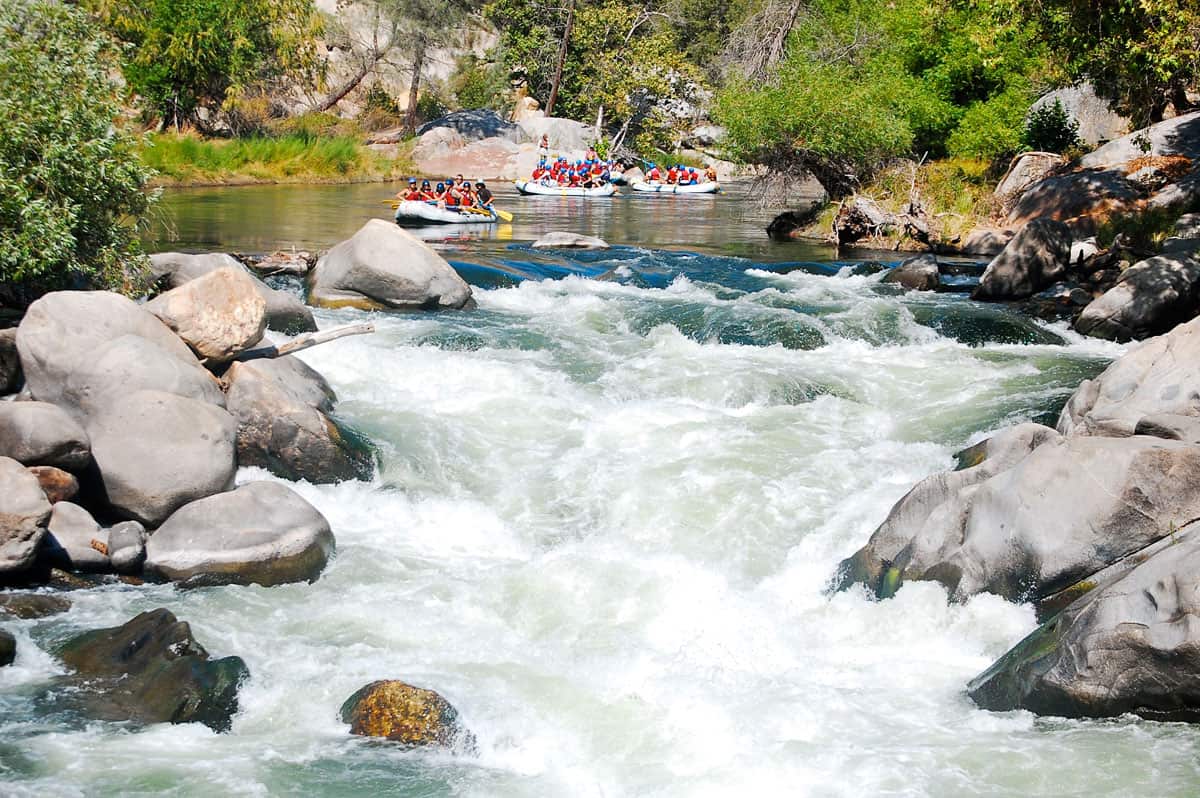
191 54
1050 128
70 177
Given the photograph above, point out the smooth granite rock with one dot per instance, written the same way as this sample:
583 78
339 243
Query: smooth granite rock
39 433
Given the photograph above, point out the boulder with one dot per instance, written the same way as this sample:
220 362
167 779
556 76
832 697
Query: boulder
1185 235
132 363
10 362
1151 297
58 485
291 263
219 315
8 648
127 547
156 452
151 670
1131 645
282 426
71 540
262 533
916 274
1080 199
24 512
32 605
39 433
384 267
1025 170
874 565
413 716
475 124
1170 426
562 240
1036 257
565 135
986 241
1068 509
1098 123
62 331
1161 375
789 224
1177 136
286 312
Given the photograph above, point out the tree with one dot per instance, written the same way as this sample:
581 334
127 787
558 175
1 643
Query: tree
70 177
1143 55
194 54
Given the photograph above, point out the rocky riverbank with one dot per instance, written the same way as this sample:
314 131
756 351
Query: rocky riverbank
122 428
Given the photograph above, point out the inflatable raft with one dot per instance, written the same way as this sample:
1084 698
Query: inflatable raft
414 213
530 187
667 188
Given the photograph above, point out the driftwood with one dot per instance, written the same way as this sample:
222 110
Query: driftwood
306 342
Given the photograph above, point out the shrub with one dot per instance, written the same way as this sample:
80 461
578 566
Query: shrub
70 177
1049 128
991 129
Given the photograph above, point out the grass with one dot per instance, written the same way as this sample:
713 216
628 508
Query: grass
293 157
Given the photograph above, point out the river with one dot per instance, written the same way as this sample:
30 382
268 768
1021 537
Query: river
610 502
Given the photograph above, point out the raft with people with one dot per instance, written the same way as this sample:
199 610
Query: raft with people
418 213
677 179
452 201
556 190
589 177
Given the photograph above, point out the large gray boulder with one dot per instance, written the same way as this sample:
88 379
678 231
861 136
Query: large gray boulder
39 433
1130 645
989 241
262 533
1025 170
219 315
874 565
1177 136
127 547
384 267
286 312
10 362
149 670
156 452
132 363
24 512
1098 123
1036 257
1159 376
282 426
1067 510
69 540
475 125
1151 297
1079 199
62 331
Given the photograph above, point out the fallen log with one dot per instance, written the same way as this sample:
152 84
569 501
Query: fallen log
308 341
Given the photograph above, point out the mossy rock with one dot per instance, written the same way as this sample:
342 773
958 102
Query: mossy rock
410 715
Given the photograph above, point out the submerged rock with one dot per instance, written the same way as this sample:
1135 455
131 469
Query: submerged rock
1035 258
282 427
219 315
562 240
1151 297
39 433
405 714
1130 645
384 267
24 512
262 533
8 648
151 670
157 451
916 274
1067 510
32 605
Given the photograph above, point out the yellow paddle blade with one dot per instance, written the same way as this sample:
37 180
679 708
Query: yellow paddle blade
505 215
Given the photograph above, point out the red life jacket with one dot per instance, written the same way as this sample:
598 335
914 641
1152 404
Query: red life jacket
654 174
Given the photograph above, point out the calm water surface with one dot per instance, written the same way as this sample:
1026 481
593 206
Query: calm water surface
610 499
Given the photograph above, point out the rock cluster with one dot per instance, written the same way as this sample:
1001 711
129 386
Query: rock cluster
1091 521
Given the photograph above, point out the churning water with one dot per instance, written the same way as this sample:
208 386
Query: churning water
609 506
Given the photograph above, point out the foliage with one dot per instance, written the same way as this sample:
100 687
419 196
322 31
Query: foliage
1141 54
477 83
70 179
295 157
1144 230
188 55
1049 128
623 56
863 82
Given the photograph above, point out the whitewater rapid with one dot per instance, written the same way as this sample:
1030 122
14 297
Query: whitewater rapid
606 517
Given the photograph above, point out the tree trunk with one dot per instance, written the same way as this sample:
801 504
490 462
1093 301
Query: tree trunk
562 57
350 85
410 113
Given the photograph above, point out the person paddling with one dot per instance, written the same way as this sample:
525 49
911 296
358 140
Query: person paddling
412 193
654 175
484 195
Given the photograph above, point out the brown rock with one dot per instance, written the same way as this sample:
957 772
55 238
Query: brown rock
410 715
219 315
58 485
32 605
